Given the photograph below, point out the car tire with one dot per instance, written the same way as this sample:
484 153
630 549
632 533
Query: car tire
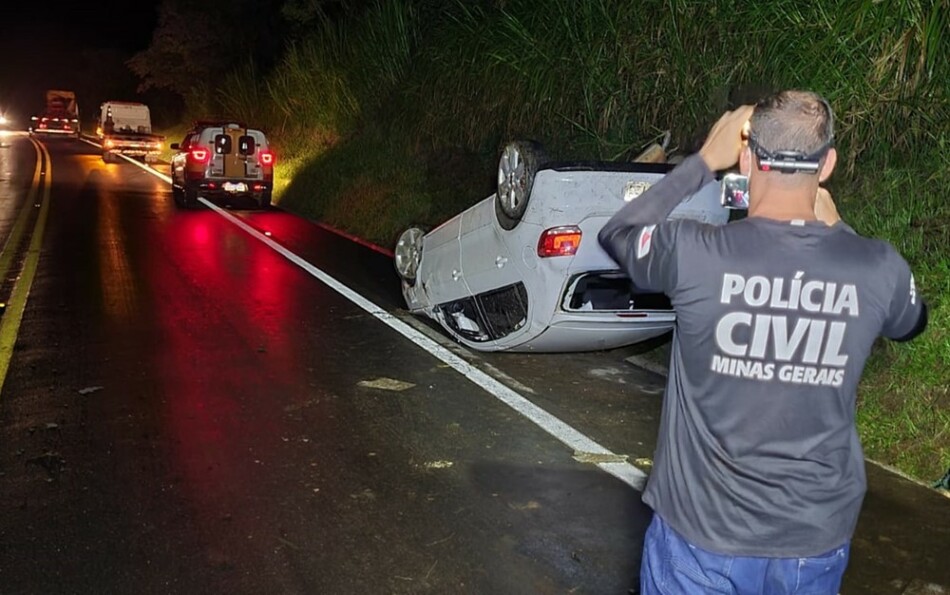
178 195
265 200
517 166
407 255
190 197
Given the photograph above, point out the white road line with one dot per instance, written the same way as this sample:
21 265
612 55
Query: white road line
564 433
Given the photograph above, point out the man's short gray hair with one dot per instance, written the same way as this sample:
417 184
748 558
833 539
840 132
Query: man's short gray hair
793 121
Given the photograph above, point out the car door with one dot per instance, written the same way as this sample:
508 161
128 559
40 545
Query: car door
486 262
227 162
251 148
492 272
441 272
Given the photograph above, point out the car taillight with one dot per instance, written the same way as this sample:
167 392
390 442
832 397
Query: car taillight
559 241
266 158
199 155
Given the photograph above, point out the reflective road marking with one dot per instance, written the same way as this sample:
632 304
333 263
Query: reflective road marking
13 315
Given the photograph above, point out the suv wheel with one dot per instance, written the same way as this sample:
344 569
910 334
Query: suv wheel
190 196
178 195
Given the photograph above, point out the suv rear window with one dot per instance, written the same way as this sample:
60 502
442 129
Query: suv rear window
222 144
247 145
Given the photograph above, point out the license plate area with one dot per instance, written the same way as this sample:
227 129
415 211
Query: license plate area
234 187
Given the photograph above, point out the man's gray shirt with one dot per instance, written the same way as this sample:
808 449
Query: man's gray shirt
758 454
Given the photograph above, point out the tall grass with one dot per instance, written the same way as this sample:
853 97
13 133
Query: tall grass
311 88
904 410
390 106
605 75
243 95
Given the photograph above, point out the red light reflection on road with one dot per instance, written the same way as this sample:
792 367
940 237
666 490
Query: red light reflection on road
229 318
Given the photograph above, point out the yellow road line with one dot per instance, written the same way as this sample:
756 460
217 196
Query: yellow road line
10 323
16 234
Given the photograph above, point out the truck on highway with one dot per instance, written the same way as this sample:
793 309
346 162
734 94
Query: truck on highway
60 117
125 127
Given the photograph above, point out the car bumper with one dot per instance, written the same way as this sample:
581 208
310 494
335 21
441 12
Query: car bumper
233 188
597 331
134 151
55 131
573 332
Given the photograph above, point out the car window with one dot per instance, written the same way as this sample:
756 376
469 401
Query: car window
247 145
223 144
464 318
505 310
186 143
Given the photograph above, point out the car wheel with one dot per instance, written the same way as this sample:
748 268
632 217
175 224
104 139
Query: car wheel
517 167
190 196
178 195
265 200
408 254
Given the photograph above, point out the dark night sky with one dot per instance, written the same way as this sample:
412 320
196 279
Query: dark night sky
102 23
56 44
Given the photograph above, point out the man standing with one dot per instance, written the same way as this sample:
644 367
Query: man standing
758 474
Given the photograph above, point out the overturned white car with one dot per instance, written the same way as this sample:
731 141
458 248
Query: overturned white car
522 270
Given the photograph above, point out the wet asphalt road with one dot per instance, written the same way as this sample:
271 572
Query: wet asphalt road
183 414
186 412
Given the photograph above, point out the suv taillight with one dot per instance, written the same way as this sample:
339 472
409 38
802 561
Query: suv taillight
559 241
199 155
266 157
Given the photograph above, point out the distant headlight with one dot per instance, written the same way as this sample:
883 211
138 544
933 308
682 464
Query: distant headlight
3 120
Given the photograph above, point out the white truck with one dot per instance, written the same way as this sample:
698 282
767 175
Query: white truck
125 127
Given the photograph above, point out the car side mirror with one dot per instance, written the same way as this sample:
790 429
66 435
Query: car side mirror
174 146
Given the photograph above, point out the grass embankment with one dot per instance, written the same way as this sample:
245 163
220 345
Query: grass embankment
395 116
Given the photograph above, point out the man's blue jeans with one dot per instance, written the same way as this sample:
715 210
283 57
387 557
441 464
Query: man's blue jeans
672 566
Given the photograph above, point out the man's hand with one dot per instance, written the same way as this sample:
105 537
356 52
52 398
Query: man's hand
726 139
825 209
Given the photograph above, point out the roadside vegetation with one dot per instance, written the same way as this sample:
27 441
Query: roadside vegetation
392 113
